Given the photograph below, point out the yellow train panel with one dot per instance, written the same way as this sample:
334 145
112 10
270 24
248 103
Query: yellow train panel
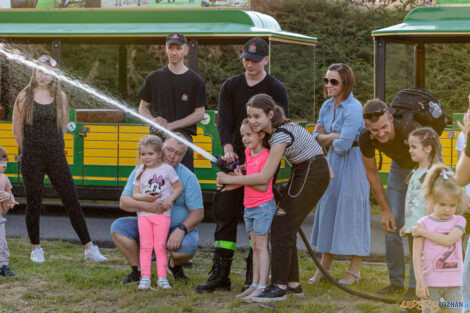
202 139
448 152
99 161
100 153
205 146
101 137
99 144
6 134
202 163
128 161
134 129
129 153
11 151
5 126
129 145
70 160
102 128
9 142
199 131
130 137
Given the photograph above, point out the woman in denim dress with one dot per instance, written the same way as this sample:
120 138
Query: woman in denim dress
342 219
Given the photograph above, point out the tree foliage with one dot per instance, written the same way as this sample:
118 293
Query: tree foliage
343 29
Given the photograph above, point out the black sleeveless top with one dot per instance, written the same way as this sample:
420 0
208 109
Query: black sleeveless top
43 132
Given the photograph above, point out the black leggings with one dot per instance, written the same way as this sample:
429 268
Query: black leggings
35 163
307 185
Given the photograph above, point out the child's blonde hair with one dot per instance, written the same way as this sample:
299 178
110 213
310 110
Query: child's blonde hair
264 141
150 140
441 180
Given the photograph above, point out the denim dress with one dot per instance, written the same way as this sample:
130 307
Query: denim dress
342 219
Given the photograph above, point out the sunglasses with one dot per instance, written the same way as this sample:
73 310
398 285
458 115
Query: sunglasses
3 161
370 115
45 59
333 82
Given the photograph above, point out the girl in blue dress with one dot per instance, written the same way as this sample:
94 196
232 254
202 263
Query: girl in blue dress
342 219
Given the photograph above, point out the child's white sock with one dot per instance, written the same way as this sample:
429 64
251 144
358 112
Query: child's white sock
261 287
254 285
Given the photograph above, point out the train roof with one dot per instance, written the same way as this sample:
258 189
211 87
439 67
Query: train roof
142 26
430 25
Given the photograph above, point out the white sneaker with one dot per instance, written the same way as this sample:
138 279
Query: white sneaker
93 253
163 283
144 283
37 256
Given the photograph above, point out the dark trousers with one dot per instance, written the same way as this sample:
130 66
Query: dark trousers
35 163
307 185
227 210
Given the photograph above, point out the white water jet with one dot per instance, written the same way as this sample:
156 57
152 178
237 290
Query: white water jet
19 57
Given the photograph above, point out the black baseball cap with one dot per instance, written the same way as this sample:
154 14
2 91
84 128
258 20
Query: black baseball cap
255 49
176 38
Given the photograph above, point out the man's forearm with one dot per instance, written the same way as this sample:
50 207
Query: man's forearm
194 218
144 110
189 120
129 204
378 191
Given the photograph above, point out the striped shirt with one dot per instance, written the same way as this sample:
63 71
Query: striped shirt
304 146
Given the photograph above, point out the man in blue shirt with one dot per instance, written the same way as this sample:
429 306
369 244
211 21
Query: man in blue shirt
186 214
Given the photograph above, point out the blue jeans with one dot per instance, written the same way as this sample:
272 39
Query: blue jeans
259 219
466 279
127 226
394 253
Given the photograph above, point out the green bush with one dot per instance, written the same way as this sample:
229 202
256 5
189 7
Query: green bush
343 30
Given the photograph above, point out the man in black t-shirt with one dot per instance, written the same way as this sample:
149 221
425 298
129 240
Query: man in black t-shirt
228 205
174 96
390 137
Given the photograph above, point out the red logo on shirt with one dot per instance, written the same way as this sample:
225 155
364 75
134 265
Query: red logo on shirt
184 97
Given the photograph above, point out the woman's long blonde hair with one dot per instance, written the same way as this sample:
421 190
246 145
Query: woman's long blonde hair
60 100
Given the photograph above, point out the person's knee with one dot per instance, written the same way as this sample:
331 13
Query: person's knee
181 257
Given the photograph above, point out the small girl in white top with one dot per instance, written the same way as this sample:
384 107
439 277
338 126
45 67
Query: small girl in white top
155 181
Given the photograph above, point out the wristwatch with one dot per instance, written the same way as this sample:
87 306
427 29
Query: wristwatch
183 227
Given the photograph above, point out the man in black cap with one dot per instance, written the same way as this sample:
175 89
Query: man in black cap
228 205
174 96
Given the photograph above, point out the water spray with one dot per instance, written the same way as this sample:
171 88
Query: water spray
57 73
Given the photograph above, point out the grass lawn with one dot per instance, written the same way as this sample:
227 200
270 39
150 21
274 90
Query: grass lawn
67 283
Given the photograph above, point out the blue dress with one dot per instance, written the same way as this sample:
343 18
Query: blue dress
342 219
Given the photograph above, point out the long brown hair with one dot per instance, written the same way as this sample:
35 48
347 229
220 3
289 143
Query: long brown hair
266 103
428 138
60 100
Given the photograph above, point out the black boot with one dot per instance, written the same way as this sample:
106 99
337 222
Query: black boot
220 272
249 271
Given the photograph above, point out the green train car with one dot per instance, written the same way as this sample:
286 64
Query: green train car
102 155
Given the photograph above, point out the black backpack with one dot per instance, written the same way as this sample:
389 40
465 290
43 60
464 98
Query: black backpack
421 106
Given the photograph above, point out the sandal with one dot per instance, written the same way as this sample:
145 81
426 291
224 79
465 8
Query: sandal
357 277
314 280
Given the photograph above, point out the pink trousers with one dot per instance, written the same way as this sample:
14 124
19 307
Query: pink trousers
153 233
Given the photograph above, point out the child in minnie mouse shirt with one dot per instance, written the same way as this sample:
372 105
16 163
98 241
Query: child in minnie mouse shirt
154 181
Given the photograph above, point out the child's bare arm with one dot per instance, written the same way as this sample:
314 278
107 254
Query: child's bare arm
137 195
422 290
177 190
441 239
